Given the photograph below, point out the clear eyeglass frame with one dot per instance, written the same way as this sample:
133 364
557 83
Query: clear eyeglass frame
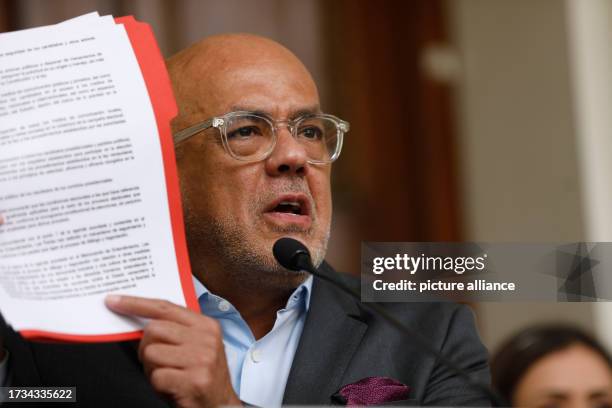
220 123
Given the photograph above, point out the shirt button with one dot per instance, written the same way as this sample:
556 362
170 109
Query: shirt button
256 356
224 306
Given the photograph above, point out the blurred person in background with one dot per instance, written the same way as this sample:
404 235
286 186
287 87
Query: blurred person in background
553 366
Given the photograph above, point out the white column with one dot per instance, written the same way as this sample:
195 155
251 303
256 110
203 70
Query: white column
589 25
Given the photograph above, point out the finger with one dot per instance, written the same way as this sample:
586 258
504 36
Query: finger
1 219
167 380
204 336
151 308
167 355
164 331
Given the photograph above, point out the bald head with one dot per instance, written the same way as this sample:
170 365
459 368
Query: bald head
230 206
221 72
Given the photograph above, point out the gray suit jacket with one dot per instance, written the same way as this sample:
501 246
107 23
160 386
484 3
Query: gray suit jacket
341 343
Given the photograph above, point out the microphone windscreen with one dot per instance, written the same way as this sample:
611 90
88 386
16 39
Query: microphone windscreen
287 252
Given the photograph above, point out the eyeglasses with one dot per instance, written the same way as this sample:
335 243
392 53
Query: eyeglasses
251 137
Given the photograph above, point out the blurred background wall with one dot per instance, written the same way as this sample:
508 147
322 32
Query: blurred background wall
482 120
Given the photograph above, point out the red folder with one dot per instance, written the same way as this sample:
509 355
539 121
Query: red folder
158 84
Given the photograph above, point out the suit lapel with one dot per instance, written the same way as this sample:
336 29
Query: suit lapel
331 334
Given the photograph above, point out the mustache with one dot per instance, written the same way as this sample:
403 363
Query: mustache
284 187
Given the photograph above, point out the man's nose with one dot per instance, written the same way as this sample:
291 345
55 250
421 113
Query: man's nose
288 157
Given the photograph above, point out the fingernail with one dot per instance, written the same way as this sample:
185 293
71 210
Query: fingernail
112 300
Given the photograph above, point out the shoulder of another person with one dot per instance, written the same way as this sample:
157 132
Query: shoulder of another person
113 368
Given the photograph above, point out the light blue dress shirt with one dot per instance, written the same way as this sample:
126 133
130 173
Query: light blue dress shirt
259 368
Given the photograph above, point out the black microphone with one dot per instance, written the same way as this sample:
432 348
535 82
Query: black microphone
293 255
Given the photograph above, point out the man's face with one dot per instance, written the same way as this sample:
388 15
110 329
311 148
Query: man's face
233 209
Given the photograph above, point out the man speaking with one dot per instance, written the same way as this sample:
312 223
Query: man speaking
254 154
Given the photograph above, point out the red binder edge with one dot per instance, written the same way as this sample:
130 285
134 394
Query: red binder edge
158 84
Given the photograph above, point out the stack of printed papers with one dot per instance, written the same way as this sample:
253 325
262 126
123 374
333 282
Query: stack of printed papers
88 183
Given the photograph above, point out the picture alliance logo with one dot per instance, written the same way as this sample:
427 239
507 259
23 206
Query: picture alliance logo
422 262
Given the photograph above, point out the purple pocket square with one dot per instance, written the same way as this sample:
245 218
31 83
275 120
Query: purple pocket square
372 391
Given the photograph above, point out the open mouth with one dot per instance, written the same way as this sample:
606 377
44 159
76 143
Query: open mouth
290 205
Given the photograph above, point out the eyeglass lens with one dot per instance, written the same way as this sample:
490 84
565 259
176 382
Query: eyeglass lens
251 137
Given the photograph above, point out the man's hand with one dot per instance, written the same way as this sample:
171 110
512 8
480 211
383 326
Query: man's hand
181 351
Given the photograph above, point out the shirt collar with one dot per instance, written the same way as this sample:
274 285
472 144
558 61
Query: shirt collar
301 293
